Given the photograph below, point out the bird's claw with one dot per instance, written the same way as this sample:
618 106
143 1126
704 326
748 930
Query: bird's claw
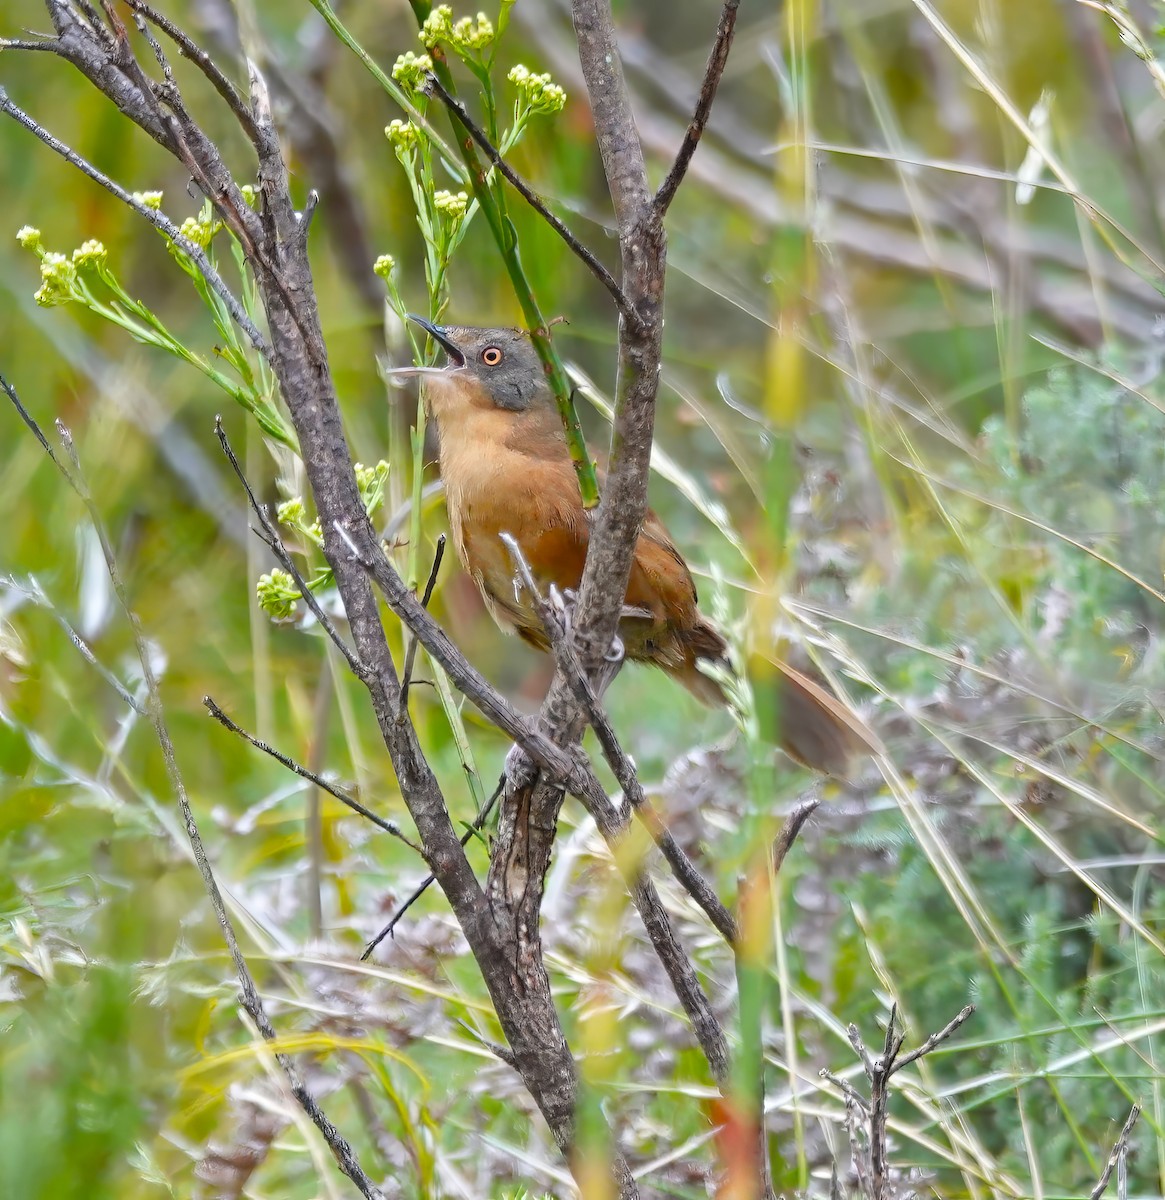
562 602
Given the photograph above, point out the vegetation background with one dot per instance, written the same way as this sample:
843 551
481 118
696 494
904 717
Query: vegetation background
922 238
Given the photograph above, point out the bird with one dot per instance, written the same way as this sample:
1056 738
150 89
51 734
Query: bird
507 470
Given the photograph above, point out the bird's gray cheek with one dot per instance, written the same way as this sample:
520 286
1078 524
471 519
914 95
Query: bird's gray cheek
511 395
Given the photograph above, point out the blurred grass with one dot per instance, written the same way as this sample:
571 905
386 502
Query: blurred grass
974 541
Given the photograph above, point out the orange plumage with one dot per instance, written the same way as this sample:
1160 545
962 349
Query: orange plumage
506 469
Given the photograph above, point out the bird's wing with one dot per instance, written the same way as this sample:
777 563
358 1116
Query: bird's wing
553 530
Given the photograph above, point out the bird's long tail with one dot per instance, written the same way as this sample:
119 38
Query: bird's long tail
814 728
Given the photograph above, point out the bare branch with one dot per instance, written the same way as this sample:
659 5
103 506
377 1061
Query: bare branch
866 1120
932 1041
417 892
712 74
190 49
532 198
790 830
1119 1153
270 536
847 1089
37 432
642 245
46 43
312 776
411 653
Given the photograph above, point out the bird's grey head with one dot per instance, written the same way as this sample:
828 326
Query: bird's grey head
502 361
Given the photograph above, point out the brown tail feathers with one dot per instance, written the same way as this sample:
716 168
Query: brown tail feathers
815 728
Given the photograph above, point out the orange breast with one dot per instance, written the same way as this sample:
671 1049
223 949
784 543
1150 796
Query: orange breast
493 487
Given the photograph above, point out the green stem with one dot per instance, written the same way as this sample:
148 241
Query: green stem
338 28
507 241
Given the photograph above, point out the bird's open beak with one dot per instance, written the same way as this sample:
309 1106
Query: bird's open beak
456 357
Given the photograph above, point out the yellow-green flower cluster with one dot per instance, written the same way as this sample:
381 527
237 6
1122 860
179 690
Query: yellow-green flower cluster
452 204
90 255
291 512
402 135
438 25
201 229
58 279
371 481
149 199
58 272
467 33
472 33
277 594
540 92
384 266
410 70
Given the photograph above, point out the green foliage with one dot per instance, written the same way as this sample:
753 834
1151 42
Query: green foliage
86 278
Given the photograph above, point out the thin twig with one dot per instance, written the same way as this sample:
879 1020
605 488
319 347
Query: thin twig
1119 1152
36 593
423 886
270 536
47 43
37 432
249 998
712 74
870 1158
411 653
493 1047
855 1040
156 218
156 46
789 831
847 1089
932 1041
308 774
600 272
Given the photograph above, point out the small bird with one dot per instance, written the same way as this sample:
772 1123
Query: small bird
507 470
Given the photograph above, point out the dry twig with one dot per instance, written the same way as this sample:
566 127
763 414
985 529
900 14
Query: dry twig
866 1119
1116 1160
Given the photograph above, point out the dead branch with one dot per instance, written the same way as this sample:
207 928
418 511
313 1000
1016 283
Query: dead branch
582 252
306 773
1116 1159
866 1119
712 73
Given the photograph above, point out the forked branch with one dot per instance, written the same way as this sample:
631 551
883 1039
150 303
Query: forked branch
717 61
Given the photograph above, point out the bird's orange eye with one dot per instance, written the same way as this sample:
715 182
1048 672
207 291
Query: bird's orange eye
491 356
